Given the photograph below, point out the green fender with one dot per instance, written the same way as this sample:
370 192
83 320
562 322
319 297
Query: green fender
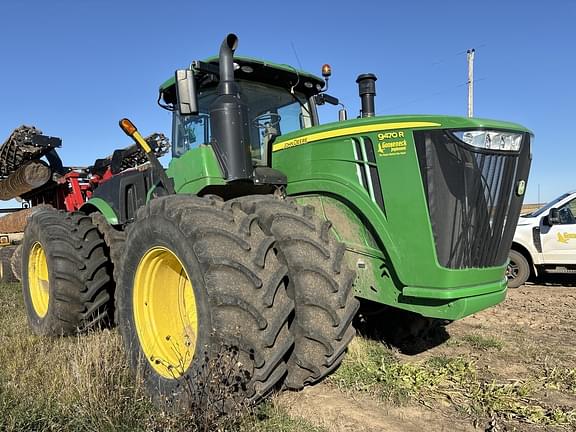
356 198
98 204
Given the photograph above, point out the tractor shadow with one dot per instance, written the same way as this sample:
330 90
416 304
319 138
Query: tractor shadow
408 332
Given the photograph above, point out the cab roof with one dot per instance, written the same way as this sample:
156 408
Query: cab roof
252 69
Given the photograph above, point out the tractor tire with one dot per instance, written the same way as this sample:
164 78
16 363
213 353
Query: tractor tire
16 263
65 274
6 273
199 278
319 282
518 269
114 239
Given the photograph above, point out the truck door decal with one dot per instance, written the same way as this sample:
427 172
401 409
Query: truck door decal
564 237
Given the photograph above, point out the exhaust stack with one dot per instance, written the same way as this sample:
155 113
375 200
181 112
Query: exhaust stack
228 119
226 63
367 91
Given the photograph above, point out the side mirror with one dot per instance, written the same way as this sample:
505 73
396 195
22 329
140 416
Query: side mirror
323 98
186 96
553 217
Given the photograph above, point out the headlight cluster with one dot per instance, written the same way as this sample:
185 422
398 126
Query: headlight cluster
492 140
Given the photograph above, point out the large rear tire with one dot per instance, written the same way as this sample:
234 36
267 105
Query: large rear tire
198 278
65 273
320 284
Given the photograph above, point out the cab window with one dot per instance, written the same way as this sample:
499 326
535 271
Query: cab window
567 213
271 111
189 132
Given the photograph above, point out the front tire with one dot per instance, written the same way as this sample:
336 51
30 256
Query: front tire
320 284
518 269
65 274
198 277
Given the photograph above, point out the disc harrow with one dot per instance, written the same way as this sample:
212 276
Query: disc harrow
24 144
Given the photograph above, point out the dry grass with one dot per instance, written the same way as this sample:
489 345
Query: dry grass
83 383
528 208
77 383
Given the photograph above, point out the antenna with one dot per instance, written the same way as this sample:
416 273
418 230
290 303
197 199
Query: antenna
296 55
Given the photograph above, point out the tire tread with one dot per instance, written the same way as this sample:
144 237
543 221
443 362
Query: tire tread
80 273
321 286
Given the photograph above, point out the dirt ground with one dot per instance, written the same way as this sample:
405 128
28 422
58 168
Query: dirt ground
535 334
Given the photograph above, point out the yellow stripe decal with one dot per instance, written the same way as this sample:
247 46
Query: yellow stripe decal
349 131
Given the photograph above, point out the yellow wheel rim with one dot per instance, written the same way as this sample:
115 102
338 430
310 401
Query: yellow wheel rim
38 282
165 312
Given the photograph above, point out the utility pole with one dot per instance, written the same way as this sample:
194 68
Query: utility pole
470 58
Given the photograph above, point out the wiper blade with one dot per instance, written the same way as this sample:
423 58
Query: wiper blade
298 100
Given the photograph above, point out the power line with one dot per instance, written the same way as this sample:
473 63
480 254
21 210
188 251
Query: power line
453 56
431 95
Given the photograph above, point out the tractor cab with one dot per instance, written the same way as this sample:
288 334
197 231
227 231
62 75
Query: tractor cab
276 99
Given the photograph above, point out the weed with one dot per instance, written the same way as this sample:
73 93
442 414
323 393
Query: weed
271 418
483 343
380 373
374 369
212 397
560 378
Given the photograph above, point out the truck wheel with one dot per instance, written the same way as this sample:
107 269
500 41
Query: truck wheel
6 273
65 273
320 284
16 263
518 270
198 279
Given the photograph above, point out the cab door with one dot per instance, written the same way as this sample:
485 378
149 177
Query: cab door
559 240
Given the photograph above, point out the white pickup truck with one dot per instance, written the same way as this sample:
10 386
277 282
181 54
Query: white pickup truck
545 241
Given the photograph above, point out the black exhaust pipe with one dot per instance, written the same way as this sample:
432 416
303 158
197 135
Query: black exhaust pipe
367 91
226 60
228 119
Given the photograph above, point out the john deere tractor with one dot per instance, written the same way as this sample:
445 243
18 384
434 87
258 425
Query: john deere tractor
267 227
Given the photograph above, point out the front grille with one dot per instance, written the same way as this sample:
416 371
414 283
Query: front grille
472 199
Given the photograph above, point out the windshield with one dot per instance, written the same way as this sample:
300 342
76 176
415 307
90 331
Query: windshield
547 206
272 111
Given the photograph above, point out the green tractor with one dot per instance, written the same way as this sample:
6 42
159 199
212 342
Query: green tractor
268 228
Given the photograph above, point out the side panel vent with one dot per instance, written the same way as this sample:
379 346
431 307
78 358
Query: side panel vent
367 169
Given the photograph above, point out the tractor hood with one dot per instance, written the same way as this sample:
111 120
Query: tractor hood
381 123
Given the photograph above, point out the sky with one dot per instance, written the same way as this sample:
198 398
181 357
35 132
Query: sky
73 68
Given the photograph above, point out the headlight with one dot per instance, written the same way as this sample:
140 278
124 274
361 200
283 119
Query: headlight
492 140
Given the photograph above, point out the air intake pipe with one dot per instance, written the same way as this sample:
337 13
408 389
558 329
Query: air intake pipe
228 119
367 91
